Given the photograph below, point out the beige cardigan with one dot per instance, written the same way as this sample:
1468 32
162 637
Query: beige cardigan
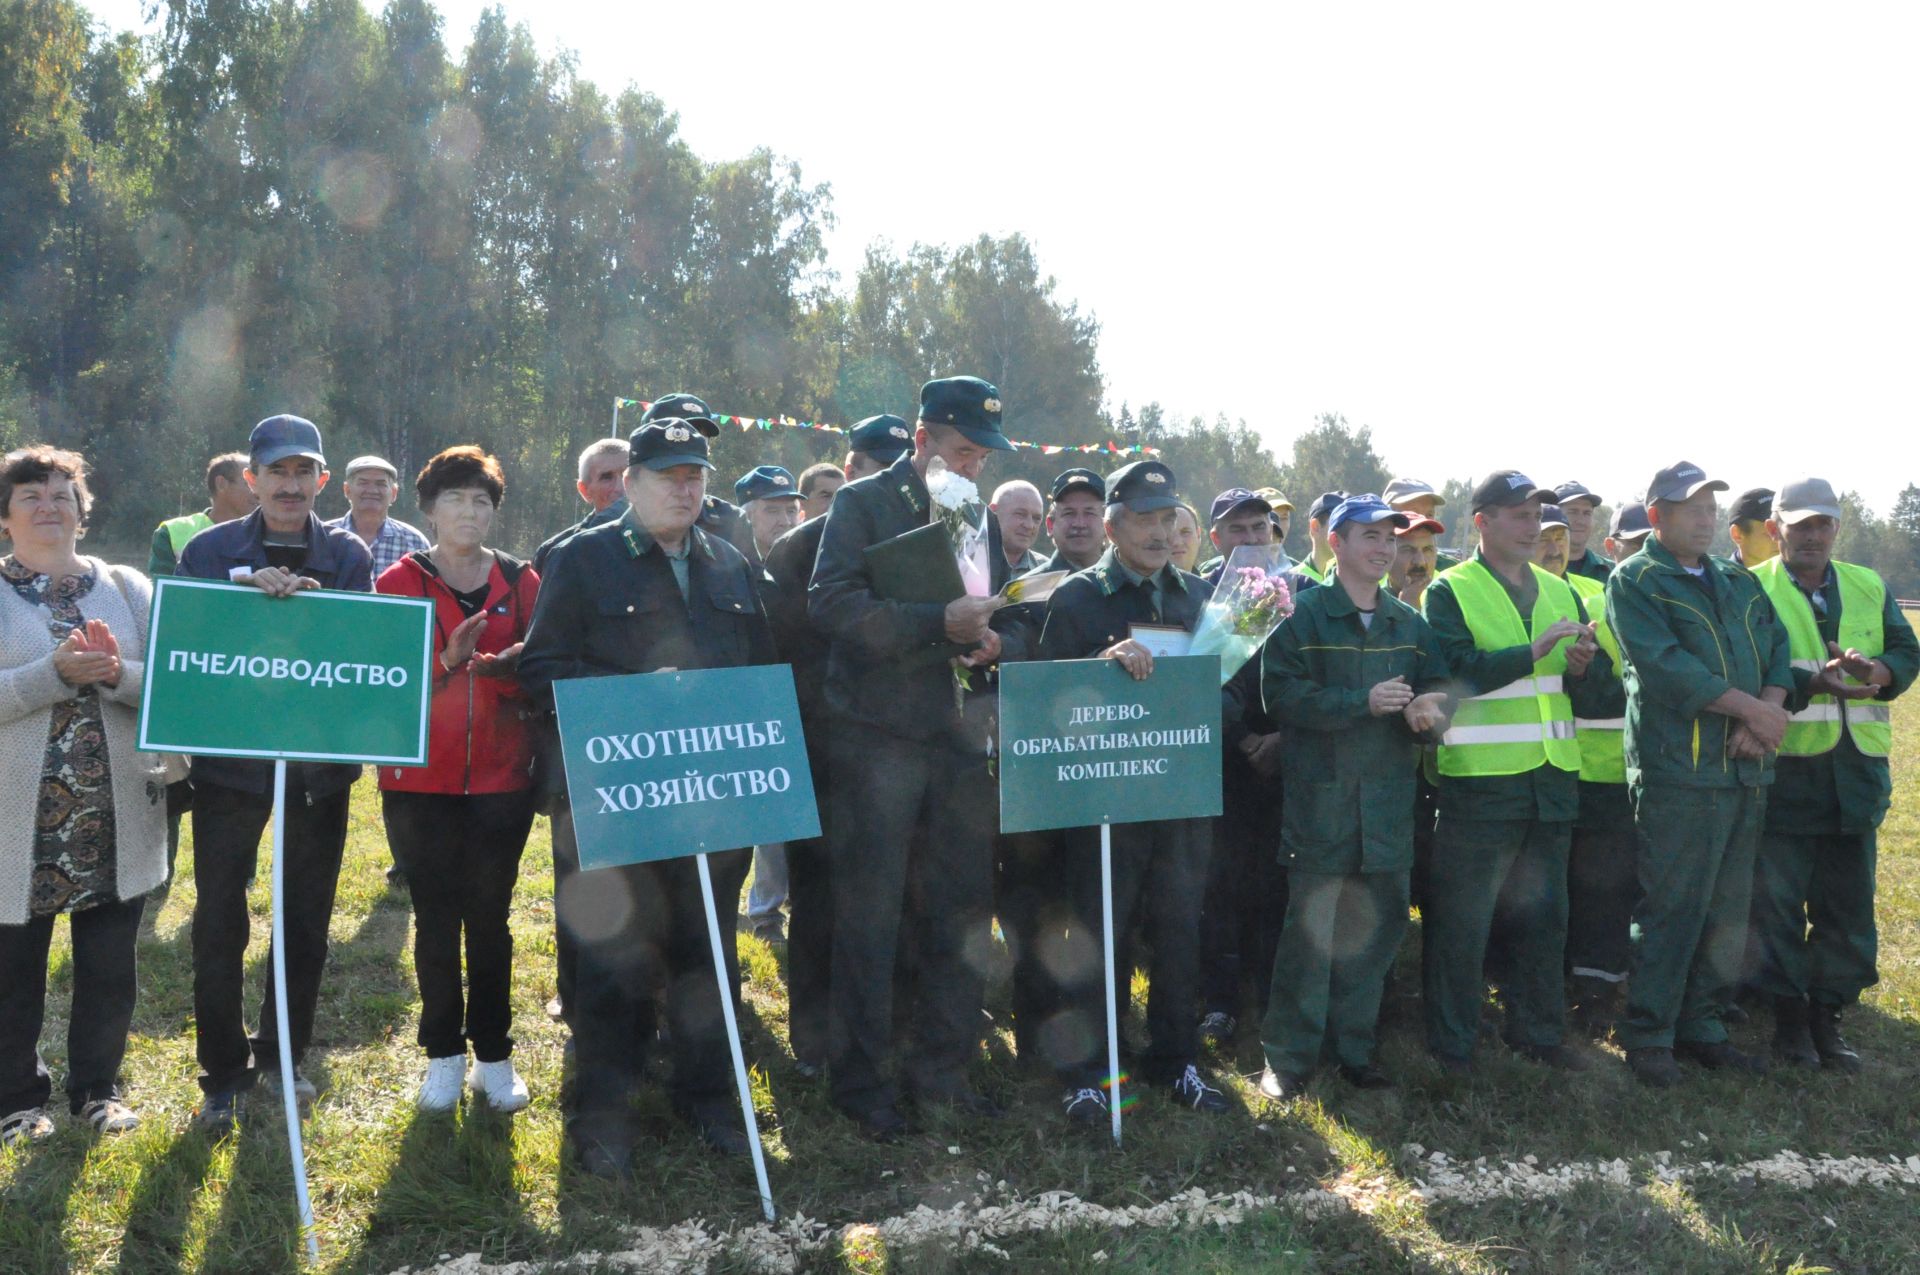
29 688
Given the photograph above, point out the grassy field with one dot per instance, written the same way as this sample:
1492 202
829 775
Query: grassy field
1333 1180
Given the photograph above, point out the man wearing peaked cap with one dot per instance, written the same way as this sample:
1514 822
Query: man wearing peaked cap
1579 504
769 501
1076 522
1413 497
872 444
912 796
1518 638
1550 550
717 516
283 550
1852 651
1707 673
1320 561
1628 531
1236 517
1747 527
1159 868
1355 678
646 592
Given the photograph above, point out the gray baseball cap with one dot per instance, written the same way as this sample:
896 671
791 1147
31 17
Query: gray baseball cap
1402 490
1805 498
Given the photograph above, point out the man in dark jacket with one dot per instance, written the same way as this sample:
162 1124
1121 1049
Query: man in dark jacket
283 550
912 810
1159 867
872 445
647 593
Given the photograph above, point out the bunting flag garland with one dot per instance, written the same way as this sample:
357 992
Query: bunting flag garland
1109 447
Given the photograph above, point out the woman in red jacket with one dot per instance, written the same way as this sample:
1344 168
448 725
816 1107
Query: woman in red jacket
458 825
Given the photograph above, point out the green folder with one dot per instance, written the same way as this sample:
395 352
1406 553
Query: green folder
916 567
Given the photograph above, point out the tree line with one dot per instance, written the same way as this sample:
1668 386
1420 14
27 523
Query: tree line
269 206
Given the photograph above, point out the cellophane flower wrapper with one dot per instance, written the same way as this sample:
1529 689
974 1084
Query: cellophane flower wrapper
1247 606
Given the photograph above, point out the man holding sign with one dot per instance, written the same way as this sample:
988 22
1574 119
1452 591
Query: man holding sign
1159 868
647 593
282 549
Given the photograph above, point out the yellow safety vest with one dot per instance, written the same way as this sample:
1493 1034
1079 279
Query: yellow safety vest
1603 758
1816 728
184 528
1527 723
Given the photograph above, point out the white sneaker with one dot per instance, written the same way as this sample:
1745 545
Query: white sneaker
30 1125
500 1085
110 1115
440 1091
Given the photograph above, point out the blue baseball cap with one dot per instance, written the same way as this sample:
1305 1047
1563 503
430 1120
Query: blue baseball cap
1552 516
279 437
1366 508
1235 498
1630 522
765 482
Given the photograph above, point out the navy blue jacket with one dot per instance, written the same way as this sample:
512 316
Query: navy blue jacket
336 559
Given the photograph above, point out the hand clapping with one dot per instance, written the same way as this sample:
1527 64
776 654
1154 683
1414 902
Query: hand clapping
88 655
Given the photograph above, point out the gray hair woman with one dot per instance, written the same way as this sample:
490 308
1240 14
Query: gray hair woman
82 815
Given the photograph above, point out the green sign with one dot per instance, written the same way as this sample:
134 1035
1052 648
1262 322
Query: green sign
661 765
320 676
1082 743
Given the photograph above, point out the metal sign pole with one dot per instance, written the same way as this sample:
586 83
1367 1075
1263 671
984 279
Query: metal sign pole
1113 1005
292 1101
733 1041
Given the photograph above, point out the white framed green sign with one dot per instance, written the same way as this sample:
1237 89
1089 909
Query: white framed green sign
661 765
320 676
1083 743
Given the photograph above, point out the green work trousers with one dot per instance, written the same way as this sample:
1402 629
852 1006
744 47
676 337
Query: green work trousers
1813 907
1696 857
1518 866
1337 944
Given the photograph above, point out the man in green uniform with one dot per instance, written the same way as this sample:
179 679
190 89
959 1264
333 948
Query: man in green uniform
1319 560
1628 532
1578 502
1707 672
1353 677
1518 639
1852 651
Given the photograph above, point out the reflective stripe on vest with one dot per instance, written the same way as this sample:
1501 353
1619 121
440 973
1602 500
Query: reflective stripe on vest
1527 723
1603 754
182 529
1816 728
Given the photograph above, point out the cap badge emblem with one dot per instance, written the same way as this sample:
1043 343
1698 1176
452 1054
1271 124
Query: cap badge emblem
679 434
1517 481
1155 478
898 431
779 480
991 405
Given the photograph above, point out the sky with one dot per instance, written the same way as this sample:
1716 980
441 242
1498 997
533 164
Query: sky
1579 241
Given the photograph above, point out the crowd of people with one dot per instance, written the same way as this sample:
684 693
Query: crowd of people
1632 786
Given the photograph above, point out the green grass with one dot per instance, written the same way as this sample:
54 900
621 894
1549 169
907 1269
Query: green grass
392 1189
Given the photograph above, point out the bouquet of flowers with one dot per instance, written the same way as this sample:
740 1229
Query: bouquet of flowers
957 504
1247 606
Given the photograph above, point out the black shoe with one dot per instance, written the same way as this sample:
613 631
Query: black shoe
1454 1066
610 1159
1191 1090
1720 1056
1823 1024
1216 1029
1088 1106
808 1070
882 1124
1559 1057
1654 1067
1367 1077
720 1127
1282 1086
1792 1043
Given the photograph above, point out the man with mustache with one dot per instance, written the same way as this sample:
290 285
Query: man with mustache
1159 868
283 550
